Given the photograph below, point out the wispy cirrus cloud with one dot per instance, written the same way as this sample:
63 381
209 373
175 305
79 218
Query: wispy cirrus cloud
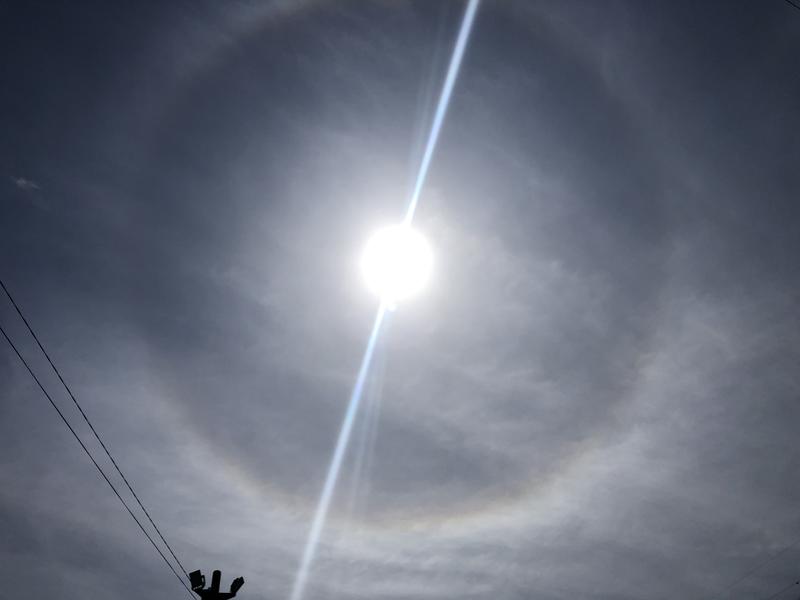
594 398
25 184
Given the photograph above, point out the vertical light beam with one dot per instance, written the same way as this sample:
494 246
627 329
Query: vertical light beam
355 397
441 107
336 462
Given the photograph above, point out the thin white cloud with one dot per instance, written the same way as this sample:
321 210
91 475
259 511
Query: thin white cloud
26 185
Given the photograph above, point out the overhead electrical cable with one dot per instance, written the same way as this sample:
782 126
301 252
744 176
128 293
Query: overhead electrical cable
757 568
791 3
782 590
94 462
91 427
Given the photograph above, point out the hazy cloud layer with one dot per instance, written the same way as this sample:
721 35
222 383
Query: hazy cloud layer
596 397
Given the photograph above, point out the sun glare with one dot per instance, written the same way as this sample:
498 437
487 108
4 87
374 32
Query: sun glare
396 263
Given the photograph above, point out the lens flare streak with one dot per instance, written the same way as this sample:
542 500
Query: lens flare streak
441 107
336 462
343 440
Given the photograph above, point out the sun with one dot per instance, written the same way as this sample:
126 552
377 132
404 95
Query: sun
396 263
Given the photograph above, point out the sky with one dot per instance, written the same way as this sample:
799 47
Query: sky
595 397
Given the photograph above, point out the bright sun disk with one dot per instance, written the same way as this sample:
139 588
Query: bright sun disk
396 263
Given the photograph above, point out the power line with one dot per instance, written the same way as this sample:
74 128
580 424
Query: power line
776 594
89 423
791 3
758 567
94 462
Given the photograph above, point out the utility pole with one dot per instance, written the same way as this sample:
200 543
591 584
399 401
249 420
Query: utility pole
212 592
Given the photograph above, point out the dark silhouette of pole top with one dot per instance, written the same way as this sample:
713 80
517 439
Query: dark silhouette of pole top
212 592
